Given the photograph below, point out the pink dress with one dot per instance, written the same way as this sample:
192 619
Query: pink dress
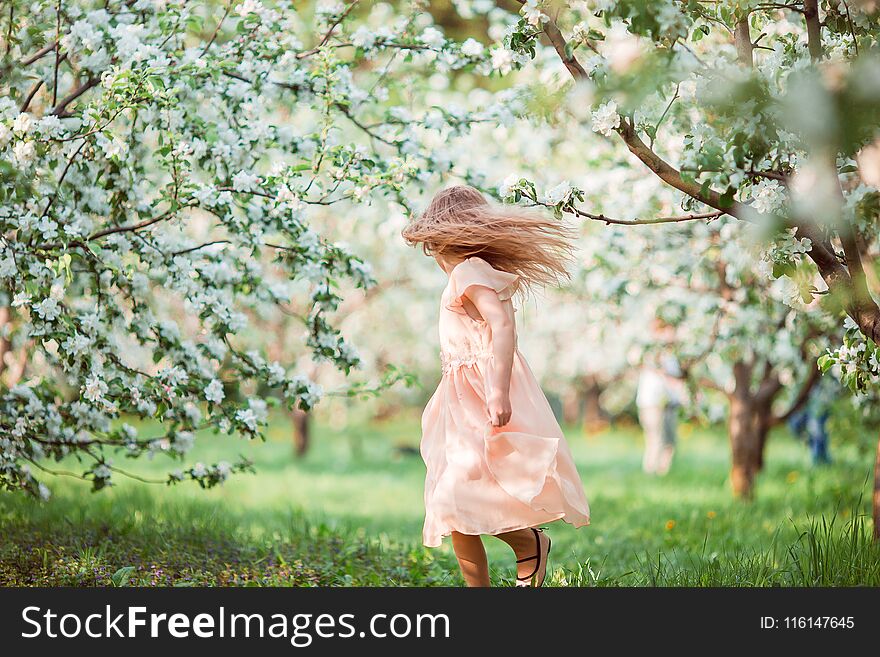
483 479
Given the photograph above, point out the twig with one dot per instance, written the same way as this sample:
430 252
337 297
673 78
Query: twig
703 216
57 51
64 473
130 227
42 52
58 109
131 475
217 29
329 33
63 175
9 29
663 116
33 92
200 246
852 29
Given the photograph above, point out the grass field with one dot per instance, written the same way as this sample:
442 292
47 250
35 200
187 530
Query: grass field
350 514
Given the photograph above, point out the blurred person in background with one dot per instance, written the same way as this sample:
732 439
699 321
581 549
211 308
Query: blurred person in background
811 423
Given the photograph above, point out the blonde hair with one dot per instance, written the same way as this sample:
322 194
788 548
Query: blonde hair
459 223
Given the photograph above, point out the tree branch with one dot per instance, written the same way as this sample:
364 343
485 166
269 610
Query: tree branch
742 39
42 52
863 309
670 175
33 92
706 216
801 398
59 109
217 29
130 227
814 28
329 33
578 72
57 52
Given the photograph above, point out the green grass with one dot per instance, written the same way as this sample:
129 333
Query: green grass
351 514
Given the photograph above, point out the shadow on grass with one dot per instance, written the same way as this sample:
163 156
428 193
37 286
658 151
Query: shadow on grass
192 544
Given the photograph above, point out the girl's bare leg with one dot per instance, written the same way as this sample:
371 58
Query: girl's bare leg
522 541
471 557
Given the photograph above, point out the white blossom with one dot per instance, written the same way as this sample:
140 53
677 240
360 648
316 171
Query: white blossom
48 309
561 193
24 152
23 123
94 388
433 38
245 181
214 391
606 119
472 48
532 13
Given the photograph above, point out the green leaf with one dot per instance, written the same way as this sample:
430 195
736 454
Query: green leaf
781 269
121 576
726 199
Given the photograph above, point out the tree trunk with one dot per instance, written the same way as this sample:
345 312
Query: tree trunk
571 406
876 501
746 445
814 28
749 422
763 420
301 432
594 414
743 42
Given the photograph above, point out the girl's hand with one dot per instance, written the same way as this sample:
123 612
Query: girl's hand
498 407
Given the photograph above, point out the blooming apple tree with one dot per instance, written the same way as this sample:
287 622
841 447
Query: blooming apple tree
720 88
164 167
709 98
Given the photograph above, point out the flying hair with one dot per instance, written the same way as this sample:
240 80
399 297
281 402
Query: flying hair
460 223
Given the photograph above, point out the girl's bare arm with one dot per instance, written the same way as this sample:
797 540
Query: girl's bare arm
493 312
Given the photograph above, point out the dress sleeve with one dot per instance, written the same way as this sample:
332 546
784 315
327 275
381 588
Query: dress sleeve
476 271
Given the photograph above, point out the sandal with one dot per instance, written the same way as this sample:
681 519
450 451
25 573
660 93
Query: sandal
536 579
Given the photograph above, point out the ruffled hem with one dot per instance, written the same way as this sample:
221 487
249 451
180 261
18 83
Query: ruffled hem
437 540
522 465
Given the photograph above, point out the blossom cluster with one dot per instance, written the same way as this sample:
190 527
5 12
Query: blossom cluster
165 172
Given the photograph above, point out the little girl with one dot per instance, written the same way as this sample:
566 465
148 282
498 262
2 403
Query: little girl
497 460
